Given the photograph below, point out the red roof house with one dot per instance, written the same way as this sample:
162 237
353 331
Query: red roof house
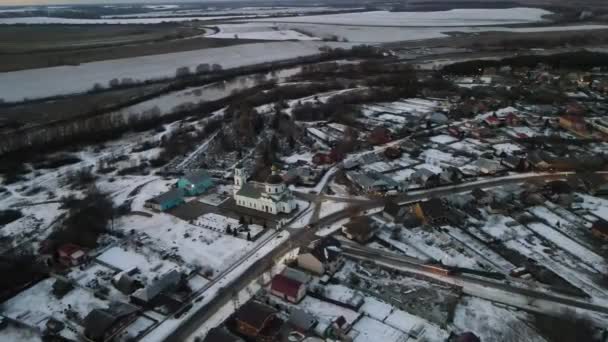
71 254
379 136
322 158
287 288
492 121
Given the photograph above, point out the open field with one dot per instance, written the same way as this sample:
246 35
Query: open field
73 45
459 17
15 39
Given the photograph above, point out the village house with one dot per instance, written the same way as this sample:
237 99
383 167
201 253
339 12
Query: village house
195 183
322 159
425 178
372 181
71 255
379 136
488 166
258 321
360 229
159 291
482 197
166 201
324 257
433 212
272 197
600 229
221 334
575 124
514 163
302 175
288 289
102 325
393 212
464 337
301 321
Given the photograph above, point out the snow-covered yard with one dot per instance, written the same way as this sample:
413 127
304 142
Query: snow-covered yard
493 323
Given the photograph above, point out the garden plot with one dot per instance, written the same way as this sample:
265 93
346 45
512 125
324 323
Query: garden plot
596 206
194 245
95 277
570 246
34 224
38 83
456 17
568 216
481 249
124 258
135 329
493 323
403 247
559 223
519 239
402 321
439 247
259 31
35 305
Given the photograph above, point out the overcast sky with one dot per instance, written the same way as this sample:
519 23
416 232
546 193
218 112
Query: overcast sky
54 2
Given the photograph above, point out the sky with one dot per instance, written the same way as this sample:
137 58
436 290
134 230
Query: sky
76 2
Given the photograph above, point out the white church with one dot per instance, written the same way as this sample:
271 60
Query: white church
272 196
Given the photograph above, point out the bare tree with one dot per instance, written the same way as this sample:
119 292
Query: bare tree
202 68
182 72
115 82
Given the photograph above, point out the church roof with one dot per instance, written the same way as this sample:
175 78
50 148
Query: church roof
249 190
274 179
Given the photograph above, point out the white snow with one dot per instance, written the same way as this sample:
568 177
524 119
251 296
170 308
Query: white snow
492 323
443 139
507 148
456 17
74 21
258 31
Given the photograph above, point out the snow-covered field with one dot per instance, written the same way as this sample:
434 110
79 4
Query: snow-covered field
250 11
37 83
259 31
73 21
456 17
361 33
493 323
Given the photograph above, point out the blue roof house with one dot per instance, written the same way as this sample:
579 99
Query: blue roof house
195 183
166 201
